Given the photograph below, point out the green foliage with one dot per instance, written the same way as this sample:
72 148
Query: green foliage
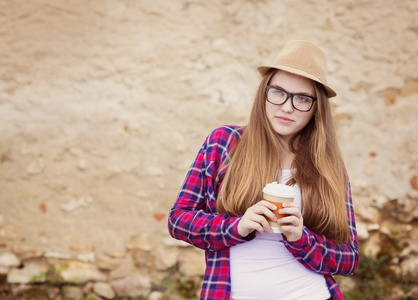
177 283
374 276
405 285
370 277
34 293
185 287
132 298
52 275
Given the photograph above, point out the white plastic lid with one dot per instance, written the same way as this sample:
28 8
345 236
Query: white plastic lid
279 190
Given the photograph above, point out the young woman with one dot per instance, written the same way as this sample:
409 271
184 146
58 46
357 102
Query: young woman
290 138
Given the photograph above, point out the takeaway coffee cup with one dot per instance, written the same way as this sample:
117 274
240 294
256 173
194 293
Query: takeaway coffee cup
278 194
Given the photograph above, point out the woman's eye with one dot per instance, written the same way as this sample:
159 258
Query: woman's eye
303 98
278 92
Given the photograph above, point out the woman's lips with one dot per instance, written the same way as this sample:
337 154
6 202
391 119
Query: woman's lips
284 120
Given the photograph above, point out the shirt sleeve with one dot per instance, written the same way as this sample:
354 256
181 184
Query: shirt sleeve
324 256
193 218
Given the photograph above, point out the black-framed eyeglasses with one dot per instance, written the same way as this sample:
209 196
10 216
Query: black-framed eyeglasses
278 96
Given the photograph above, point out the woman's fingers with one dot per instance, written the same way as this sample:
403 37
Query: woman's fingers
257 214
267 209
255 218
248 224
290 220
258 226
261 223
291 208
291 225
267 204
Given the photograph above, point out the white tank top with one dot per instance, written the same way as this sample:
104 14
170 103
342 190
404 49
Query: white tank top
264 269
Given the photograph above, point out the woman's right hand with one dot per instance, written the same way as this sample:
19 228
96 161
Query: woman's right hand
254 218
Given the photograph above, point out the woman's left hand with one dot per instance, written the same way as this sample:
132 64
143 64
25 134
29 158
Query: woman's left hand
291 225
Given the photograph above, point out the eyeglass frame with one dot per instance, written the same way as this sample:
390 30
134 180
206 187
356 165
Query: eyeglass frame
289 95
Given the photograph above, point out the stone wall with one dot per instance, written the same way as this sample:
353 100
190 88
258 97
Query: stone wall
104 104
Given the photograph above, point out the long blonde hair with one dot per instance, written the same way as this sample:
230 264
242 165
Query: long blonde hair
320 170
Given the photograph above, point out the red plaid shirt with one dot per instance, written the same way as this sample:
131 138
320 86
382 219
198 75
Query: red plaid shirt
194 220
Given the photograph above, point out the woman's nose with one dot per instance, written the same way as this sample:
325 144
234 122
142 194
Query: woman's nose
287 106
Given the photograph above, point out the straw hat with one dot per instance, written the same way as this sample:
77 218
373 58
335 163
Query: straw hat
302 58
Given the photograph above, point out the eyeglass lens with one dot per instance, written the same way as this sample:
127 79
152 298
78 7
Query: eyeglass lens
278 96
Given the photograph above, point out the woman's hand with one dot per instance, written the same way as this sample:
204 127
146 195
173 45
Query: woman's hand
292 225
254 218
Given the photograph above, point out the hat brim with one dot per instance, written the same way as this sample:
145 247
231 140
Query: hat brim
263 70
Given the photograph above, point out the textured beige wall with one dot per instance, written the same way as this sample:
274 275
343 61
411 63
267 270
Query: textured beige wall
104 104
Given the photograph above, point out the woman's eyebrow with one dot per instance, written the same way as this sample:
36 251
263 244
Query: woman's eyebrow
298 93
277 86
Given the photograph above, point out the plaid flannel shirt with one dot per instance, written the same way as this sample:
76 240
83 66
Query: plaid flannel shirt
194 219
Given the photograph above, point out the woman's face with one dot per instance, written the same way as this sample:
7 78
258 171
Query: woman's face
285 119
